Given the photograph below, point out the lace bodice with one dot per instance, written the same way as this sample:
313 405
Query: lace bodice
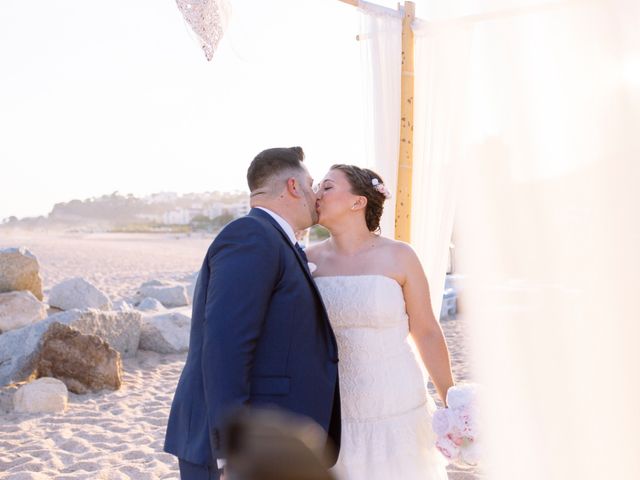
379 374
373 301
386 410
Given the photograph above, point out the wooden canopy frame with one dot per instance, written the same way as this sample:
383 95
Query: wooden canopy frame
405 154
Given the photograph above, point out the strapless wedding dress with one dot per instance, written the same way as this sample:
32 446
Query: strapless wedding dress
386 409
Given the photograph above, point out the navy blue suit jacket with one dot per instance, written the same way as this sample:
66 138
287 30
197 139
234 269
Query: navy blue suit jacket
260 336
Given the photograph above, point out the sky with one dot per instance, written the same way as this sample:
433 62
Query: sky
97 97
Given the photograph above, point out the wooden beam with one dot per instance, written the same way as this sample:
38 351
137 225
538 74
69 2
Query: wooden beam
405 156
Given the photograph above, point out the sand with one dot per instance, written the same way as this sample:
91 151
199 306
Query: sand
111 435
119 435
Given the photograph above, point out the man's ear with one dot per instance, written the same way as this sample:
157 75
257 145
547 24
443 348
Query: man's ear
293 187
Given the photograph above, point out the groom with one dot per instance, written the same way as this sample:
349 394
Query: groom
260 335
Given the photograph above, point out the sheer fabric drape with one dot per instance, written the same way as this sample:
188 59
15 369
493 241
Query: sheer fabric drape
528 120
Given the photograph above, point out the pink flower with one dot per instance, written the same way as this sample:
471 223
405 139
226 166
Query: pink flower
456 438
380 187
449 449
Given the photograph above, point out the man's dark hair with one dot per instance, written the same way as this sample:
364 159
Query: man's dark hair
272 162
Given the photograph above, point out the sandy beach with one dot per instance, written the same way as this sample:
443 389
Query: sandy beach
119 435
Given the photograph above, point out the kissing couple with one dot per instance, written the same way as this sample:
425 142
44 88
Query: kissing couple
334 346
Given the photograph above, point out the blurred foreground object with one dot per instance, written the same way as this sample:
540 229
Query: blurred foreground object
548 234
273 445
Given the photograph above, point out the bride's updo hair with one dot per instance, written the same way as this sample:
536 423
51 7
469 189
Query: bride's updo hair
363 182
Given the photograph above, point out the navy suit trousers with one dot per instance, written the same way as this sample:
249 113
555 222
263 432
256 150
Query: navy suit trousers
191 471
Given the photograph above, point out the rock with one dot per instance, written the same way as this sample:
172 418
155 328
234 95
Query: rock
191 287
154 283
78 293
18 309
85 363
169 295
19 270
166 332
45 395
6 398
122 306
53 310
151 305
19 348
121 330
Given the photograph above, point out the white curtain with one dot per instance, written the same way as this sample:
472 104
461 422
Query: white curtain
441 69
441 64
381 51
537 124
548 234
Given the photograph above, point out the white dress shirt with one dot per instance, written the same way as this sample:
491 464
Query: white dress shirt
288 229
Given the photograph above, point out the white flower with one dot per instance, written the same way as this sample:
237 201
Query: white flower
449 449
441 422
470 453
461 395
457 426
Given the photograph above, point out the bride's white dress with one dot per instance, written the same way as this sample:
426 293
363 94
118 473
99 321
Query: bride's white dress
386 409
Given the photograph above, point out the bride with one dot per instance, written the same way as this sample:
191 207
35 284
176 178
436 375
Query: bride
377 297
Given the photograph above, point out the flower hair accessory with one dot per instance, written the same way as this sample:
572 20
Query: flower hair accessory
380 187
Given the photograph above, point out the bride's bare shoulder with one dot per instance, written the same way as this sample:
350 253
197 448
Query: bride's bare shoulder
401 253
396 247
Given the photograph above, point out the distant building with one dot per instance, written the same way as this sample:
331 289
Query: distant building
162 197
214 210
179 216
239 209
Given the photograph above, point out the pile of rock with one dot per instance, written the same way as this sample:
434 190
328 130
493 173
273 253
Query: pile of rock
20 289
80 348
19 270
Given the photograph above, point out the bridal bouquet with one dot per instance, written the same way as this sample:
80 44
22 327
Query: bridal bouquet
456 426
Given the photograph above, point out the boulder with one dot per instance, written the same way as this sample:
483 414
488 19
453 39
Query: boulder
19 348
85 363
19 270
45 395
151 305
170 296
121 330
166 332
191 287
78 293
18 309
122 306
7 395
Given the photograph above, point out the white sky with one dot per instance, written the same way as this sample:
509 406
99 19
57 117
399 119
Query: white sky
117 95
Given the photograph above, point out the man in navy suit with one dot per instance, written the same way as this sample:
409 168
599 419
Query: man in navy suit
260 335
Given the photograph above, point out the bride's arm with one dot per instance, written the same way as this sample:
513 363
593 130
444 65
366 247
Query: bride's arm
425 329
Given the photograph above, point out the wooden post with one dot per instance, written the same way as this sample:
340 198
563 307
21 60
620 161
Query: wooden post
405 157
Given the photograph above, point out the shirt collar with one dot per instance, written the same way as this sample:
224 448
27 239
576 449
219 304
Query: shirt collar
283 224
